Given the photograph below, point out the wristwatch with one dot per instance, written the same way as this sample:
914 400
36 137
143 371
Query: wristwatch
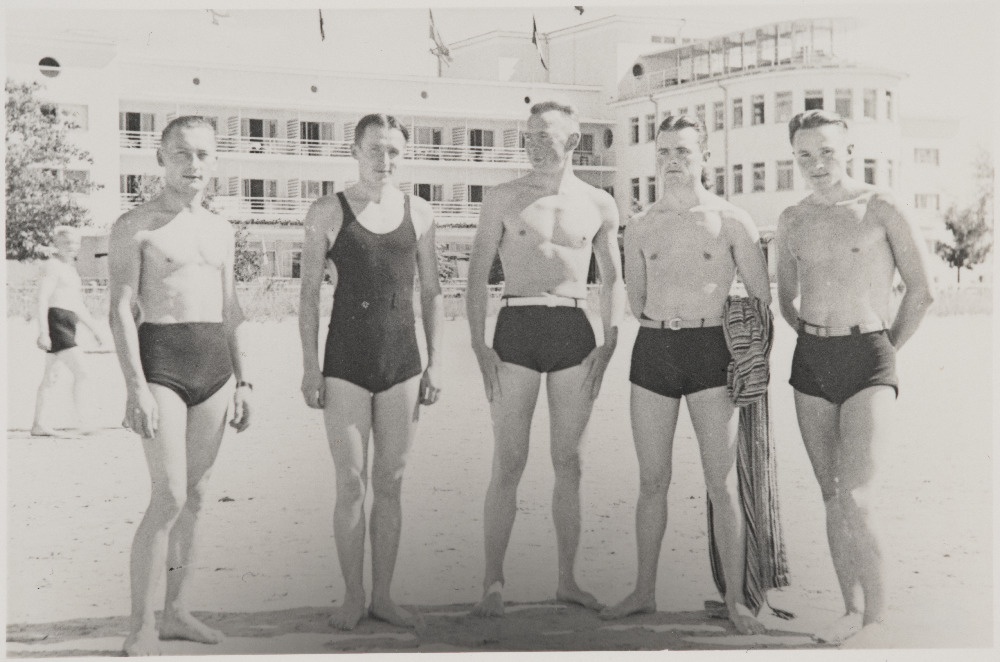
241 384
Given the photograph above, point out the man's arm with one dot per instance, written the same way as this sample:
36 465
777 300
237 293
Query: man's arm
609 266
788 272
232 319
46 286
635 268
314 247
485 246
749 258
911 261
431 301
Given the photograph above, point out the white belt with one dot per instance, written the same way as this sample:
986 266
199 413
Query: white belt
550 300
828 331
677 323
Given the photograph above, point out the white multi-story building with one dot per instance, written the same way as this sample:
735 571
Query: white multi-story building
284 134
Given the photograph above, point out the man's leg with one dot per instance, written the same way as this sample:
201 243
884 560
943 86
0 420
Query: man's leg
511 410
654 420
76 361
50 378
166 457
716 419
348 417
395 414
206 423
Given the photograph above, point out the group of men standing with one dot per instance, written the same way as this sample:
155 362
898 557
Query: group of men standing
176 325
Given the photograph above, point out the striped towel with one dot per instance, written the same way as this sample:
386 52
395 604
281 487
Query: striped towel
748 327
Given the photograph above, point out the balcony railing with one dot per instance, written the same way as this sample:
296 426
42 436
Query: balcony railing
342 149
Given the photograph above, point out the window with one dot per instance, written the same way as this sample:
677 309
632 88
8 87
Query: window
870 102
719 115
758 177
481 141
785 172
843 102
699 112
635 130
426 135
429 192
682 111
814 100
259 189
758 109
888 104
135 124
636 193
926 155
586 143
609 138
475 192
259 130
49 66
720 181
782 107
129 184
651 189
650 128
737 113
737 179
869 171
312 189
49 111
927 201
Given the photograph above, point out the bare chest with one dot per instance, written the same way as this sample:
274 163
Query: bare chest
688 239
843 237
174 248
557 220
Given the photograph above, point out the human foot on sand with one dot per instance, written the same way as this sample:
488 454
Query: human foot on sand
182 625
743 620
571 593
346 616
390 612
841 629
142 642
634 603
492 602
42 431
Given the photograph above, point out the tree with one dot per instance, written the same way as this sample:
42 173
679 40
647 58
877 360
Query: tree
971 227
41 193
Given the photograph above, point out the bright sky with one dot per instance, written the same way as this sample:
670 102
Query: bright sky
949 49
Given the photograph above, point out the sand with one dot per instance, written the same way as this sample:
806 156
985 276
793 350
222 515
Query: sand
267 570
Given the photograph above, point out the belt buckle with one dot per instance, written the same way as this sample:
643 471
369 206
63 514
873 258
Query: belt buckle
550 301
674 324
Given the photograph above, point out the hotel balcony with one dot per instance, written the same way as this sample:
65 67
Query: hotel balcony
148 140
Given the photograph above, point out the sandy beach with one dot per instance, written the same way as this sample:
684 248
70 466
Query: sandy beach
267 572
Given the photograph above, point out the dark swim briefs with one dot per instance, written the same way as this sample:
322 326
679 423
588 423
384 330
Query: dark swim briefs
838 367
190 358
62 329
679 362
543 338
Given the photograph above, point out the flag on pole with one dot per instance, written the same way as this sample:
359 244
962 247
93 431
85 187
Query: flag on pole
322 32
579 8
439 49
534 40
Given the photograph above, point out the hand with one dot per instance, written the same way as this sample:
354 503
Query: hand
596 363
44 342
429 390
142 414
490 366
314 388
241 408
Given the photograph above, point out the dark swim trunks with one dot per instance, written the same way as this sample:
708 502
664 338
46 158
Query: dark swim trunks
839 367
675 363
62 329
372 340
543 338
190 358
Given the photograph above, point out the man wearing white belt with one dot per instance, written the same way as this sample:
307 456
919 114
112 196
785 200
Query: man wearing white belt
838 252
681 258
544 226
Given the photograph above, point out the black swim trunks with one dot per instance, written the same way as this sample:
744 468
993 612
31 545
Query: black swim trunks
543 338
372 340
190 358
836 368
62 329
675 363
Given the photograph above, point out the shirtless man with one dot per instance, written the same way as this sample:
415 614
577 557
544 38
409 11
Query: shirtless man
838 251
175 320
681 258
60 307
545 226
372 239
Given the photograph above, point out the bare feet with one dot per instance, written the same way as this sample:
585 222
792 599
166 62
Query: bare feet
492 602
346 616
573 594
744 620
390 612
841 629
42 431
872 635
182 625
142 642
635 603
